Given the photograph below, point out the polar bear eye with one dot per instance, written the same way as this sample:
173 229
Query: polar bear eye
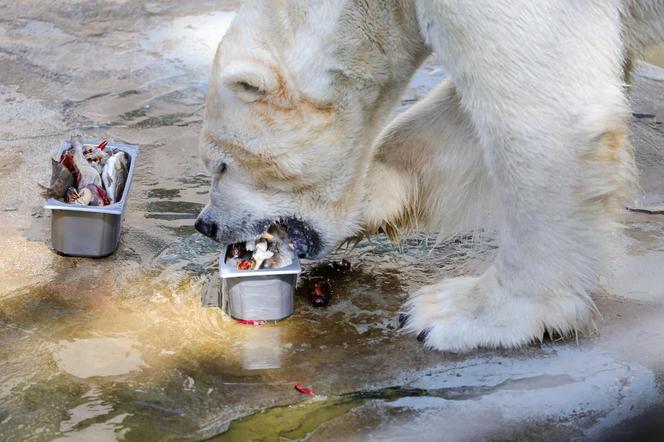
246 91
216 166
246 87
249 81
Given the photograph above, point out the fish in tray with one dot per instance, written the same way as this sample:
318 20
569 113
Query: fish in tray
114 176
97 158
88 175
61 180
91 195
271 251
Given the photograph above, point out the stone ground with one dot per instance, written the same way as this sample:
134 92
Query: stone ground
120 348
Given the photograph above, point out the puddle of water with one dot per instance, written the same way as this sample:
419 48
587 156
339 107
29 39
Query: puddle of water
149 350
295 422
86 358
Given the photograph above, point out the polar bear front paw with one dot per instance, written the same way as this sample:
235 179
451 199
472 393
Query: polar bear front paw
462 314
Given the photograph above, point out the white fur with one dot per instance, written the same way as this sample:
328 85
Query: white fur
529 132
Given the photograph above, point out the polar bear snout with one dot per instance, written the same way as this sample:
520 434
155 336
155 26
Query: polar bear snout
207 225
212 223
304 238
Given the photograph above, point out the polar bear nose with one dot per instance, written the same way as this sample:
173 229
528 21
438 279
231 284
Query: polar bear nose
207 228
249 81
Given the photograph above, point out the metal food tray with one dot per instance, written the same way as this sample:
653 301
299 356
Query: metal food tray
90 231
262 295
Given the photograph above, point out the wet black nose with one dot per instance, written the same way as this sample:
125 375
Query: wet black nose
207 228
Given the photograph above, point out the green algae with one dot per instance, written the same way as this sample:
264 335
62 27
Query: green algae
296 421
290 422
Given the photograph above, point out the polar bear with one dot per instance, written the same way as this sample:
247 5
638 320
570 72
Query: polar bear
529 131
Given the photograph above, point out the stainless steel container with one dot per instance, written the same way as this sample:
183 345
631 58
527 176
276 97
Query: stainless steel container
90 231
262 295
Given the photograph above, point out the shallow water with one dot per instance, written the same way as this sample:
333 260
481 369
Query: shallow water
92 348
120 348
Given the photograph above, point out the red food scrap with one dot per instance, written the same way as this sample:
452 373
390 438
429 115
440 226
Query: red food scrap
103 196
244 265
249 322
319 293
304 390
67 160
102 145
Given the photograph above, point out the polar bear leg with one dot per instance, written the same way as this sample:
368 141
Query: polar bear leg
428 170
555 143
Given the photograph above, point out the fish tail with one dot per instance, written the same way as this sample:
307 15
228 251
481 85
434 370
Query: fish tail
46 191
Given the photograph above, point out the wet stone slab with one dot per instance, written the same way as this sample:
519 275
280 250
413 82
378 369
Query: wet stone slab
120 348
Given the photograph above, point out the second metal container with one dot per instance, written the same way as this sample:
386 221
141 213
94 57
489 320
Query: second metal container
90 231
263 295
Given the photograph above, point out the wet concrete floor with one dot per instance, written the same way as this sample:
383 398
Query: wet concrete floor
120 348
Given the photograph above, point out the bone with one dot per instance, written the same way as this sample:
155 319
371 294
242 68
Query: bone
261 254
270 251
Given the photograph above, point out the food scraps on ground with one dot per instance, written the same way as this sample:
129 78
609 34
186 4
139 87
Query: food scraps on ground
88 175
304 390
344 266
250 322
271 251
320 293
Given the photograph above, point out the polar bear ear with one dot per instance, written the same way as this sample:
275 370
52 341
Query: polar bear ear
249 81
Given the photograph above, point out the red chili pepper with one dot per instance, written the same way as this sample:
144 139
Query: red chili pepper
102 145
249 322
303 390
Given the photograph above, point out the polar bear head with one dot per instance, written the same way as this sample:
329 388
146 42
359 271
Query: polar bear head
299 90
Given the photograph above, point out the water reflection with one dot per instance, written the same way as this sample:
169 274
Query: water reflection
261 347
98 357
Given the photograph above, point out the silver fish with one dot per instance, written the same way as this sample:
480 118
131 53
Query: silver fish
114 176
89 174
